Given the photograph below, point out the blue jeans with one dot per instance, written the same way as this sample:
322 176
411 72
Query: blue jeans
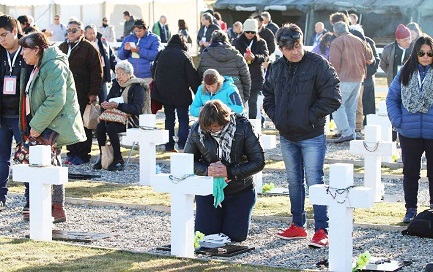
305 159
170 119
232 219
9 128
345 116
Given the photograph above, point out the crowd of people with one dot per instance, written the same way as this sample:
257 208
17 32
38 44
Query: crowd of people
47 87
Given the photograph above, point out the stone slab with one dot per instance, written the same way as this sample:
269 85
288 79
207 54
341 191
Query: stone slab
75 236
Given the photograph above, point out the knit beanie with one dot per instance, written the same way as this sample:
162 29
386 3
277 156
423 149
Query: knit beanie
251 25
402 32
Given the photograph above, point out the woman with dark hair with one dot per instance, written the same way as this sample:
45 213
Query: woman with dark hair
410 110
226 148
50 104
183 29
255 52
323 47
175 78
415 31
206 30
222 24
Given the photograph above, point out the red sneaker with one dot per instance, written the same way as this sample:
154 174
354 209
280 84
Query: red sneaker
320 239
293 232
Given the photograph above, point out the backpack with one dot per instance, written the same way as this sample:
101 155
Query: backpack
421 225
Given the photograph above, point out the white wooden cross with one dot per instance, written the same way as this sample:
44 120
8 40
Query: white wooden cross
381 119
40 174
267 142
341 198
148 137
372 148
183 186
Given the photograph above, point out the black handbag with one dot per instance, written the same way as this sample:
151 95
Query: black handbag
47 137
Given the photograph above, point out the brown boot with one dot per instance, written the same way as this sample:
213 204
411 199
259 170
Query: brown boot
58 212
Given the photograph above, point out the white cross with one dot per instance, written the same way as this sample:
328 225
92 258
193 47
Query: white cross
381 119
147 139
40 174
372 148
341 198
182 200
267 142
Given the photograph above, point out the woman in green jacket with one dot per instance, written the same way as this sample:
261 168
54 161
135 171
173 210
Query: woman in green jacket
51 103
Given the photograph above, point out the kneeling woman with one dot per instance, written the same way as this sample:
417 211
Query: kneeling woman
224 145
136 97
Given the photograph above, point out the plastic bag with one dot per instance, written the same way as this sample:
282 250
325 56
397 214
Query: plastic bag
91 116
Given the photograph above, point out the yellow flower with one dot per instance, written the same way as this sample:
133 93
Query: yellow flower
362 261
198 237
267 187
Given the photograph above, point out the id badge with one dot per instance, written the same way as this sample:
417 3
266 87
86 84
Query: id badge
10 85
135 55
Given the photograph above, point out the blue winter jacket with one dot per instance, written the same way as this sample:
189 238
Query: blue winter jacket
149 46
228 94
410 125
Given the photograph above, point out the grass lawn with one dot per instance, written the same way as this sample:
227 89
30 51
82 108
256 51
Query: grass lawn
26 255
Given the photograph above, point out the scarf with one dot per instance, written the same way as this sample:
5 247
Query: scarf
142 82
224 139
415 98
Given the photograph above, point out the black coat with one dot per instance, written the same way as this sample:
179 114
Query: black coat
269 37
298 96
206 35
174 75
261 53
136 99
247 156
107 53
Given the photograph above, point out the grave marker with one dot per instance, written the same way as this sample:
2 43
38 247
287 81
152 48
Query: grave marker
341 197
40 174
182 185
148 137
372 148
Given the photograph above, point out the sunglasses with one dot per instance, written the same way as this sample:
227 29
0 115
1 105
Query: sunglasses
422 53
250 32
72 30
292 35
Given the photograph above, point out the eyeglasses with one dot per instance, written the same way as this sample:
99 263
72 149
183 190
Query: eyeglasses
56 19
250 32
120 74
4 35
422 53
74 30
292 35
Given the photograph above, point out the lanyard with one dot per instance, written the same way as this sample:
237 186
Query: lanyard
420 83
70 49
11 64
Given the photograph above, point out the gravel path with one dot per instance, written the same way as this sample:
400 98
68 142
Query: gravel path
145 229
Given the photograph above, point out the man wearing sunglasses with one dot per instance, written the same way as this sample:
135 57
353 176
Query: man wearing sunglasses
301 90
55 31
85 64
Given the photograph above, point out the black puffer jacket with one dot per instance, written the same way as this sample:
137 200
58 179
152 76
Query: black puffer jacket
298 96
175 76
247 157
228 62
260 51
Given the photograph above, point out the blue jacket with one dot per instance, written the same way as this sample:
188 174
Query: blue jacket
149 45
410 125
228 94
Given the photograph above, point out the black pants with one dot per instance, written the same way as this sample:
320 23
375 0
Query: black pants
252 103
81 149
112 129
412 149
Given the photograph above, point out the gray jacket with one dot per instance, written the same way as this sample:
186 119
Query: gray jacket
228 62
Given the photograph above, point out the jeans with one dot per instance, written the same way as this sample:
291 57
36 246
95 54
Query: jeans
9 128
305 159
345 116
232 219
411 152
170 119
112 129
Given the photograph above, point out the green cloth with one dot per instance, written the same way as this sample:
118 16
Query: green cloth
219 184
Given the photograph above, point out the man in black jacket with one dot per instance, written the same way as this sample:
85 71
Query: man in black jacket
108 59
266 34
301 90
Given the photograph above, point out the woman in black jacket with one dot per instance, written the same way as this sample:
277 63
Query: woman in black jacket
255 52
136 100
226 148
175 78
